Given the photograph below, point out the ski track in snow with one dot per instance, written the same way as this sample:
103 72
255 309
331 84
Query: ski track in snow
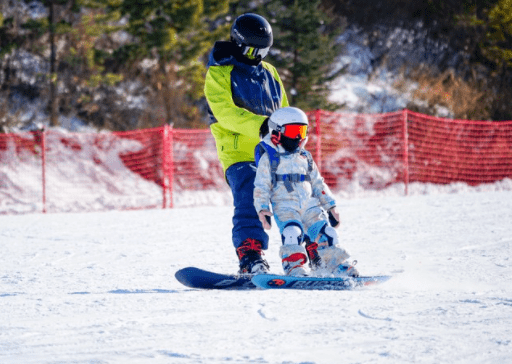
100 288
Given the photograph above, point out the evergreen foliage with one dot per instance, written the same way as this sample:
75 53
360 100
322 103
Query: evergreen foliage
172 35
304 51
491 24
107 52
496 44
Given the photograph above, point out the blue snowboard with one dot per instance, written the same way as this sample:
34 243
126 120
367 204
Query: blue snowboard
272 281
199 278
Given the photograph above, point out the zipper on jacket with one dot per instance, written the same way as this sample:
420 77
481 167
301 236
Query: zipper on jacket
236 141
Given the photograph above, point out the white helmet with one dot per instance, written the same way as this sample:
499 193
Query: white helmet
296 131
287 115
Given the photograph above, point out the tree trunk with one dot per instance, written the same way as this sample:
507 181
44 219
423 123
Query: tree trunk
54 120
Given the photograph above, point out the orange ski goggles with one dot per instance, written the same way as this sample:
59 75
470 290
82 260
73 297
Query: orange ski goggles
294 131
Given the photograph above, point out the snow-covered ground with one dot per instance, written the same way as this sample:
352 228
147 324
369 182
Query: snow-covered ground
100 288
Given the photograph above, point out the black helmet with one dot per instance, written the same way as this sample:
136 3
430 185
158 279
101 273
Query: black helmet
252 33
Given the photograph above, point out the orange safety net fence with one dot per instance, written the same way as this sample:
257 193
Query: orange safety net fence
60 171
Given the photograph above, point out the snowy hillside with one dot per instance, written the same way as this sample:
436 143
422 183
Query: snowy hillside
100 288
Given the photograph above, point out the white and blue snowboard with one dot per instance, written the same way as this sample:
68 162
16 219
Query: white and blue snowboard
199 278
273 281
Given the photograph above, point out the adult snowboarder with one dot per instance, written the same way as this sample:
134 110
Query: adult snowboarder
242 91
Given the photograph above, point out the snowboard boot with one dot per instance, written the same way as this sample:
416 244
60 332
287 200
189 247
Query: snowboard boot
249 255
294 258
334 260
347 269
315 261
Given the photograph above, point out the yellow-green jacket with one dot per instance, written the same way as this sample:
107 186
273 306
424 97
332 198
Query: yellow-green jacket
240 96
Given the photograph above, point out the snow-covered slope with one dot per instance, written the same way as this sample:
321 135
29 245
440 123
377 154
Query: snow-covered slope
100 288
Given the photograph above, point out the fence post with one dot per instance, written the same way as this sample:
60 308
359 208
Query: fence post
43 162
165 140
318 151
406 151
170 166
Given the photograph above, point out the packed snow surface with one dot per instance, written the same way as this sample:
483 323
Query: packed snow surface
100 288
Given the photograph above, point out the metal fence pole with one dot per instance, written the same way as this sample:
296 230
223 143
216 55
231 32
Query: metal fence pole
406 151
170 167
318 151
165 140
43 162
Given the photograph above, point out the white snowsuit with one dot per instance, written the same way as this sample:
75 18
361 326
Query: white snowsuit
308 201
301 210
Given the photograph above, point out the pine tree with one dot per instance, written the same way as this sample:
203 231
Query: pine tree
499 35
91 58
493 40
496 42
176 34
77 24
7 39
42 34
305 50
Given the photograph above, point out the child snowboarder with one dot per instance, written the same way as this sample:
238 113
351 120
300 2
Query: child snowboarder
289 180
